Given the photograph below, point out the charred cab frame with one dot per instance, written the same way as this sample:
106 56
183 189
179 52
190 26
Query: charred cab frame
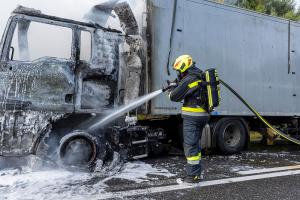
44 101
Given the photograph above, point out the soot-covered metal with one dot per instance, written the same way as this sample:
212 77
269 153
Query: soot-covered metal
36 94
46 100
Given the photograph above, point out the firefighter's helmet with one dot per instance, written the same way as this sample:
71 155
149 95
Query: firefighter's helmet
182 63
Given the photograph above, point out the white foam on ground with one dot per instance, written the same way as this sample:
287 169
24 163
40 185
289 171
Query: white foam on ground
242 168
54 184
60 184
138 172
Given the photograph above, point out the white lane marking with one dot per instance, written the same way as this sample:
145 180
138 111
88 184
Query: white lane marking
267 170
170 188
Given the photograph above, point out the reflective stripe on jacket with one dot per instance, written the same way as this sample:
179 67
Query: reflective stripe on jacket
193 111
189 90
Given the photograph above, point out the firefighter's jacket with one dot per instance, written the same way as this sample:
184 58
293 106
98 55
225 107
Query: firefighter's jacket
190 90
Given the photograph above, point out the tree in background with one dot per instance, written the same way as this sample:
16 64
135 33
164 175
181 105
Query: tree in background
279 8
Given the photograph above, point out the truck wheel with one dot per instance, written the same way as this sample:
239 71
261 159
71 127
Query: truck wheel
80 149
231 135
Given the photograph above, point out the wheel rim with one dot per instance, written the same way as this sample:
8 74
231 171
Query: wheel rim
232 135
78 151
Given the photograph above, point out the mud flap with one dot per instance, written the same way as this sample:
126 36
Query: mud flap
206 142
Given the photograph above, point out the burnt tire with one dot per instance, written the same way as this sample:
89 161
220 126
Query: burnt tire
80 150
230 135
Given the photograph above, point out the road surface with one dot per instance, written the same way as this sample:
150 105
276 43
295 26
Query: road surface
259 173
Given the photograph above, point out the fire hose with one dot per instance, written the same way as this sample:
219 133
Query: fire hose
251 108
262 119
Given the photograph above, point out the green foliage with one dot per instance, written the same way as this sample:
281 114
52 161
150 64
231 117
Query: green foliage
279 8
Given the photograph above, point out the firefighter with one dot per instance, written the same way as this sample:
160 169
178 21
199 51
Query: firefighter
195 116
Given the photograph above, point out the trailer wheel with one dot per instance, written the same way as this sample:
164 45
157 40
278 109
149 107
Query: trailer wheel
231 135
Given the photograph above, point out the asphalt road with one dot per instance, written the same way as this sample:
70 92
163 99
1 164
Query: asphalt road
272 188
273 182
261 172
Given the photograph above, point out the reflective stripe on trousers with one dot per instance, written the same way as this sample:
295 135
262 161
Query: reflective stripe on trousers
194 160
192 129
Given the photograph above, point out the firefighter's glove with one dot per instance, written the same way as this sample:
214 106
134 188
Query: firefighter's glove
170 85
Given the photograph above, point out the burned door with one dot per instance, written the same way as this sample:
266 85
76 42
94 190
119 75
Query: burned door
36 82
98 70
39 76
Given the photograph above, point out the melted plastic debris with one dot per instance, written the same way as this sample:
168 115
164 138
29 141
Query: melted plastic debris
100 13
130 14
127 18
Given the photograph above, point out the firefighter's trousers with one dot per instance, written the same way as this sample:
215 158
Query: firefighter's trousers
192 131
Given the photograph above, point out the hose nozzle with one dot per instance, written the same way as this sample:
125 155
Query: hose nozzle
170 85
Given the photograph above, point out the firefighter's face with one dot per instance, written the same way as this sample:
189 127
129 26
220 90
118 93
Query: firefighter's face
179 75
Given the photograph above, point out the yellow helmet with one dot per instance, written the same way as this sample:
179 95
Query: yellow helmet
182 63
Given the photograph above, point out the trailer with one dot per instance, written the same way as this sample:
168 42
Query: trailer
48 99
255 53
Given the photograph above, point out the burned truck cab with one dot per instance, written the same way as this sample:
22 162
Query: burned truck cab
52 71
59 65
59 76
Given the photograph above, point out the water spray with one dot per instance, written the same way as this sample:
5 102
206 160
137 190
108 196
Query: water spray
126 108
79 148
134 104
